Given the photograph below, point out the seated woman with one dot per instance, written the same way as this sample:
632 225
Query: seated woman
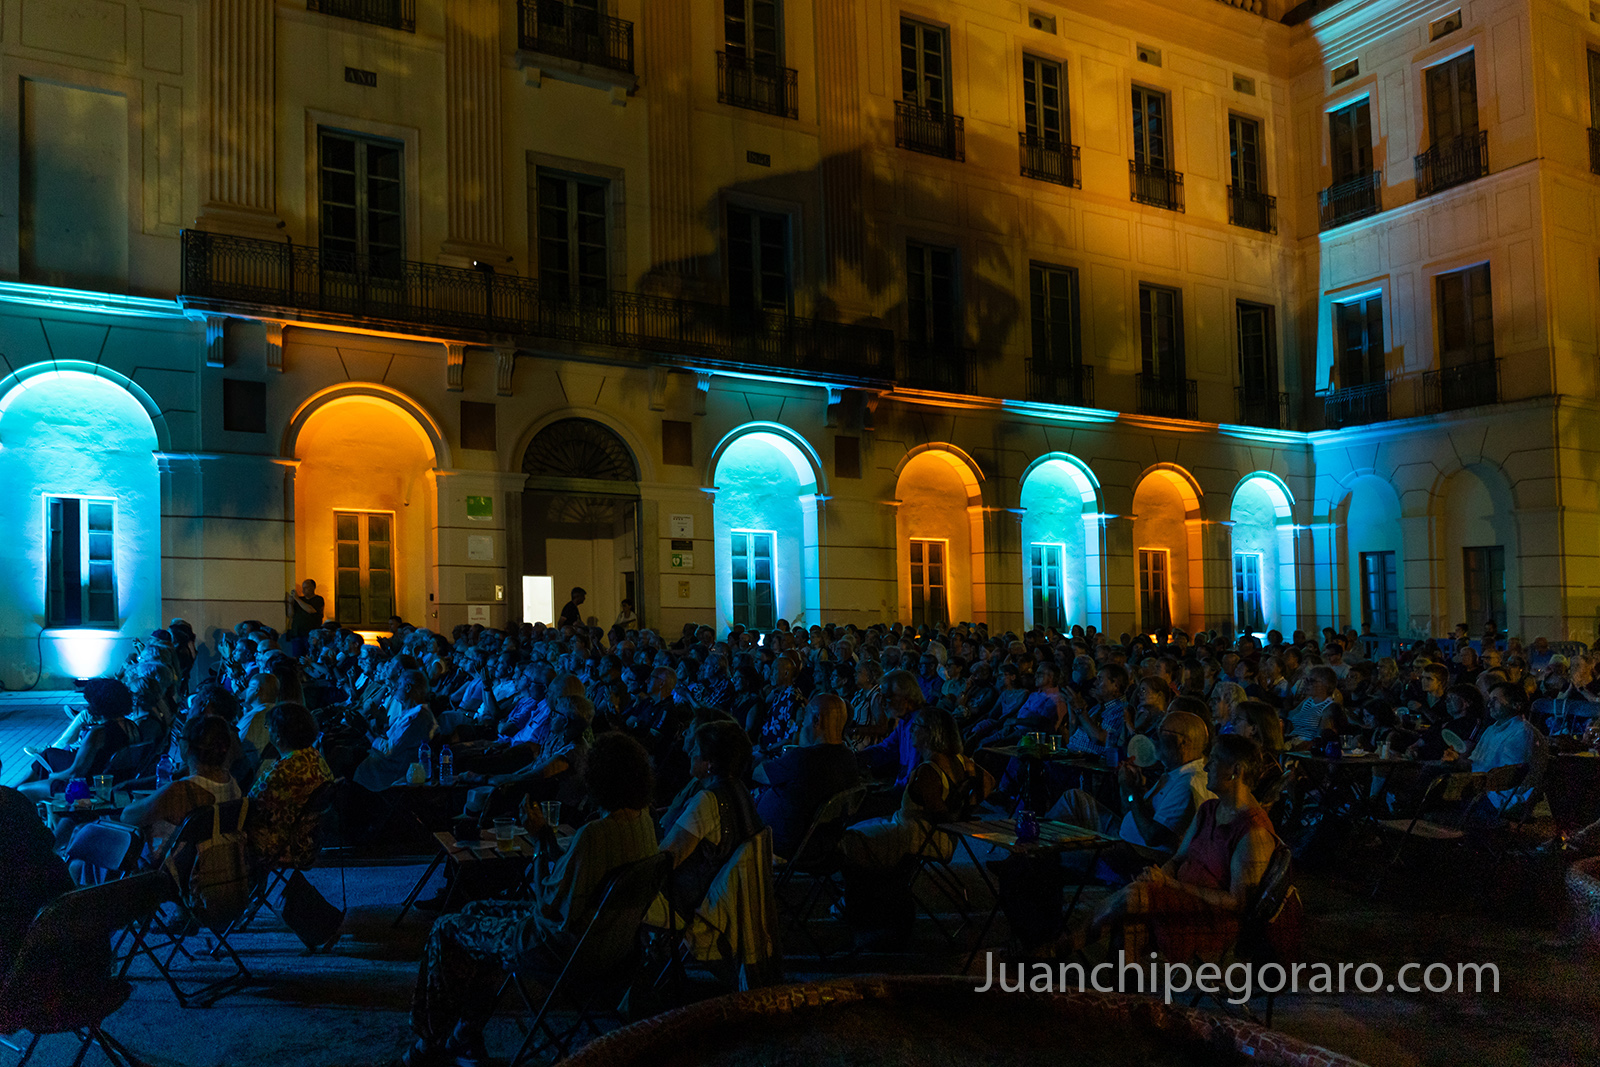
110 731
207 744
1192 904
278 797
467 953
716 820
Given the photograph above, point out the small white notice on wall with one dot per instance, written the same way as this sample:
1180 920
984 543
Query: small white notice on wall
480 546
478 614
683 526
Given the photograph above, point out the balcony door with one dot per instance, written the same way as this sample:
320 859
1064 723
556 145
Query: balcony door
364 581
929 598
1452 99
1044 104
758 263
932 309
1350 141
1258 355
1484 569
1151 138
925 66
1358 325
362 203
1466 317
1161 334
574 231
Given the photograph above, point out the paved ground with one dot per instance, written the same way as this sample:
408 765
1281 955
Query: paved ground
348 1007
29 719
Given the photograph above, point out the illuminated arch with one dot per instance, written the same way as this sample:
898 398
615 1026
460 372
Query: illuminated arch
424 423
939 497
1366 520
1182 481
12 385
1177 533
1271 538
1060 501
965 466
765 481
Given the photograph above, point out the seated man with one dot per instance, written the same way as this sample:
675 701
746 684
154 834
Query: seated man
394 750
805 777
1510 740
466 956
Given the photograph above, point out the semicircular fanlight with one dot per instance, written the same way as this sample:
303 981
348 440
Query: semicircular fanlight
579 448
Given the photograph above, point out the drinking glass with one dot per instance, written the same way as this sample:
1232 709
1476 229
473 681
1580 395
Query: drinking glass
505 833
552 812
102 787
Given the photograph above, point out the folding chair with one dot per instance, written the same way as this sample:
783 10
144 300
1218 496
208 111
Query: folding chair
820 863
1254 944
939 871
603 964
173 931
61 981
274 871
1457 791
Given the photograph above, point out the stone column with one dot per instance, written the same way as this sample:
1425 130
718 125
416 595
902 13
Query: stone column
1120 611
841 171
668 62
240 56
475 185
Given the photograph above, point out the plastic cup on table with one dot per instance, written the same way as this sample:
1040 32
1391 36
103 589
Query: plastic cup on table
551 809
102 788
505 833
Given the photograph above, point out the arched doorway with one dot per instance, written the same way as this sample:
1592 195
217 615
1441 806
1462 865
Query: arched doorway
1482 558
939 538
364 506
765 523
1264 594
80 566
580 521
1061 544
1166 542
1373 543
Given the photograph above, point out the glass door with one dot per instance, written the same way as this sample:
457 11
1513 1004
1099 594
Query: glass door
364 581
928 604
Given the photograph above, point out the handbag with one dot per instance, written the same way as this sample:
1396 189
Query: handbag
309 914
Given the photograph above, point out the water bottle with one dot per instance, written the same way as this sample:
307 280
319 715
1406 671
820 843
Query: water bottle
1027 827
425 757
164 769
446 766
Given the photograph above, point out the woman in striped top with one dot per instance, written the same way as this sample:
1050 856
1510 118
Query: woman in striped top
1318 710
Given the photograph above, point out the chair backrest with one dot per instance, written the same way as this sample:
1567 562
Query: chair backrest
61 979
613 933
1274 886
127 763
834 811
111 847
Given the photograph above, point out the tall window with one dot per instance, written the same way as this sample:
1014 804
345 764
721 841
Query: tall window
1350 141
1247 607
1244 152
1258 352
924 65
1044 103
1053 300
1466 317
1151 137
1594 89
1452 99
363 588
932 308
1358 326
1485 572
758 261
1380 594
1161 332
928 604
1046 587
362 206
1155 610
754 602
753 31
574 232
80 579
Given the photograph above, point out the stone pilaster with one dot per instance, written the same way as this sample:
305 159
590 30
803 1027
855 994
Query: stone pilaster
474 171
241 130
668 62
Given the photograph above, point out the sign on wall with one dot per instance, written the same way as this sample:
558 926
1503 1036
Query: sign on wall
480 508
478 614
480 546
682 526
683 559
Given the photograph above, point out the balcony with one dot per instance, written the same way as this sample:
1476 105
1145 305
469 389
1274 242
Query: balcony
1168 397
940 366
757 84
1349 200
1594 150
1467 385
258 277
1265 409
555 28
1252 209
395 14
1071 384
1453 162
1156 186
1359 405
1050 160
929 130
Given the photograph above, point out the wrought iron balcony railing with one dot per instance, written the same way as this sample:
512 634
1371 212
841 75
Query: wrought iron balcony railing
1594 150
557 28
757 84
942 366
395 14
1266 409
1359 405
1156 186
226 269
930 130
1061 383
1050 160
1455 161
1252 209
1466 385
1171 398
1354 198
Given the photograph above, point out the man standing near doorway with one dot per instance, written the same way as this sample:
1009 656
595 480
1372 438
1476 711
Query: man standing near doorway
305 614
570 616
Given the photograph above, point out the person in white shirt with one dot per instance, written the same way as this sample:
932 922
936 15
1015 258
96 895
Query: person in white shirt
394 750
626 618
1510 740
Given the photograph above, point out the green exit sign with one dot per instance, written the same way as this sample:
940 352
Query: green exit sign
480 507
